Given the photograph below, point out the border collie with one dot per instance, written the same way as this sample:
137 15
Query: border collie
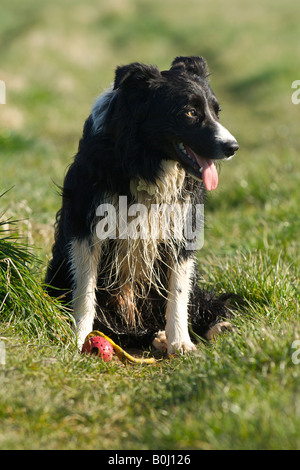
149 143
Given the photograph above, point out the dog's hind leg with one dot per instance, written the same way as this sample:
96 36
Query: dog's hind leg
177 334
84 266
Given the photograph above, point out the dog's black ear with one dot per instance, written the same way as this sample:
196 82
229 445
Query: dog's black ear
194 65
135 73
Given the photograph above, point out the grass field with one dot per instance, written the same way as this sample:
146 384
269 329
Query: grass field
242 391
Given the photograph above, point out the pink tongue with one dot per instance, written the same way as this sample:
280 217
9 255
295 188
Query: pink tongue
209 172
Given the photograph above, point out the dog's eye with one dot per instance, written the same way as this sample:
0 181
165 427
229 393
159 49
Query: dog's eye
217 109
191 113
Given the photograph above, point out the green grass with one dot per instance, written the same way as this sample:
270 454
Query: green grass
240 392
26 309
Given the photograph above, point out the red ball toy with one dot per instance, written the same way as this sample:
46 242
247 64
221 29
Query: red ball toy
98 346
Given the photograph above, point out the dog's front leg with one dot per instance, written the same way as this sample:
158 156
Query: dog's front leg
84 266
177 334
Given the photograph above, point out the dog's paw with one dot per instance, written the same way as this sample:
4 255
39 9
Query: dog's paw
160 341
181 347
81 336
218 329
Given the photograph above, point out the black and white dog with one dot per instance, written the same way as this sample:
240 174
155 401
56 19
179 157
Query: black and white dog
149 144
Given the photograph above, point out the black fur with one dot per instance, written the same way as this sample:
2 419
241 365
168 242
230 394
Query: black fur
137 125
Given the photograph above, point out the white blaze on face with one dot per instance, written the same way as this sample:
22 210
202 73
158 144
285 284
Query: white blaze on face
223 136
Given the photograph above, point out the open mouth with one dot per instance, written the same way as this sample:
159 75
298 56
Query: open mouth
200 168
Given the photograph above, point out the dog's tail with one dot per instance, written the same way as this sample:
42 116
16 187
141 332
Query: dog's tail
208 310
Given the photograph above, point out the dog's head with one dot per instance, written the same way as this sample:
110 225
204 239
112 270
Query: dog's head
174 114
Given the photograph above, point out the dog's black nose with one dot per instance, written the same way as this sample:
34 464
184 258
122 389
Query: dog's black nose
230 147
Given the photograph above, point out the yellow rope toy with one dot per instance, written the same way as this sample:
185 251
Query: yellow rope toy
120 353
